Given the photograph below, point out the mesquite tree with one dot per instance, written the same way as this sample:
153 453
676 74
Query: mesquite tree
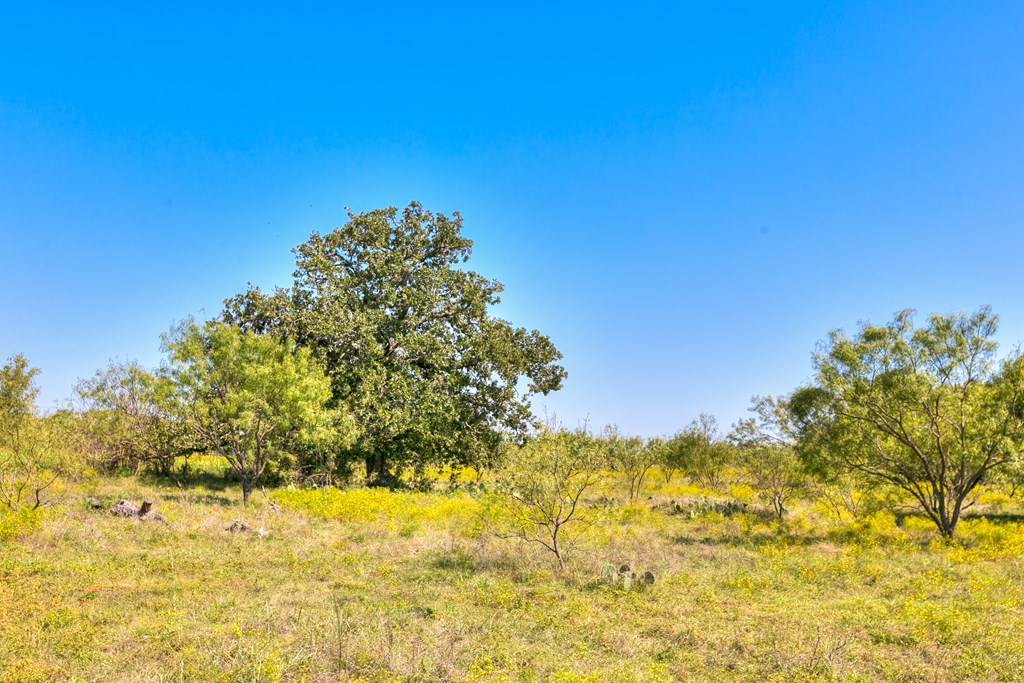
541 488
128 412
930 410
632 456
34 450
699 452
765 449
245 395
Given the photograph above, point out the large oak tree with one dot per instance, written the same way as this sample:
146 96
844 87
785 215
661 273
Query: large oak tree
407 336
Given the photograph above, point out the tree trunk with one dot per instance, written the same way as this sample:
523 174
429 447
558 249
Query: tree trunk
948 525
246 490
777 504
377 469
556 550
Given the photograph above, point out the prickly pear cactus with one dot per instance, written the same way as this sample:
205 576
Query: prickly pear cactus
626 579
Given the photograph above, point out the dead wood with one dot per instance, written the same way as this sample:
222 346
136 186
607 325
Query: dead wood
123 508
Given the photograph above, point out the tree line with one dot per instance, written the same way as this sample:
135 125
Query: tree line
383 355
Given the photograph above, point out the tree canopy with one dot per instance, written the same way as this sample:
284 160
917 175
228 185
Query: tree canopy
931 410
407 337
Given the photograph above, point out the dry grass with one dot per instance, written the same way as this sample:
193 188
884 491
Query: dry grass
378 586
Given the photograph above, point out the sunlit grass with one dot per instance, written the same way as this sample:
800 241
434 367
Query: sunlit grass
372 585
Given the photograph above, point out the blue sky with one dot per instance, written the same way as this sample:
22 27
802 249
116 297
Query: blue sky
684 197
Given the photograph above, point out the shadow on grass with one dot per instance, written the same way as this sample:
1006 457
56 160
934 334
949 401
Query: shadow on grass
211 481
454 559
198 486
998 517
754 540
201 499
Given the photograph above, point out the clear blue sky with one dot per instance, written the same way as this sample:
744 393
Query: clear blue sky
684 199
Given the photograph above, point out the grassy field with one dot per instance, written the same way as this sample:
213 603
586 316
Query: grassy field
369 585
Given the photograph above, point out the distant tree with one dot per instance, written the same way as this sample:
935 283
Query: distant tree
129 413
31 452
631 456
841 492
930 410
18 393
766 453
540 490
246 396
407 337
700 452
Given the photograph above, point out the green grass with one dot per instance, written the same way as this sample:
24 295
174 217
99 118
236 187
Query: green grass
378 586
